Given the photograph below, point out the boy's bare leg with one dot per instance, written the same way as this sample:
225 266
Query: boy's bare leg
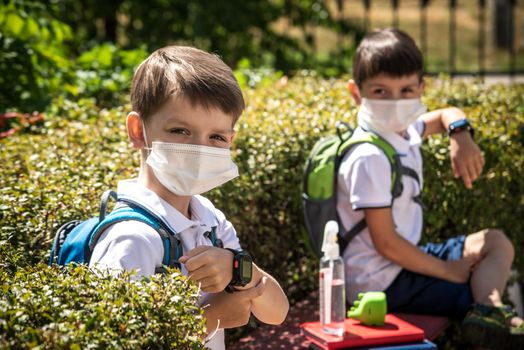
491 273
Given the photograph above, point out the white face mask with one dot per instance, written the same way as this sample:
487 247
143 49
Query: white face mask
187 170
389 115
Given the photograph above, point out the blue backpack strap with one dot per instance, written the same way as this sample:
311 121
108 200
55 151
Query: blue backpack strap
132 211
212 236
103 202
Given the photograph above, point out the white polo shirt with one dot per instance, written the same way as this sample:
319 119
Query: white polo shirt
364 181
134 245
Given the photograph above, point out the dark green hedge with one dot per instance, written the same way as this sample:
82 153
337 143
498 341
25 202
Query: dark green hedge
56 172
74 308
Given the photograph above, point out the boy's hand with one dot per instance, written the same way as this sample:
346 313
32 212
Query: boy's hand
459 271
232 310
212 267
466 159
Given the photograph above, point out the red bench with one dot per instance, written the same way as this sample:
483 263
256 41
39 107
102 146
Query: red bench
287 335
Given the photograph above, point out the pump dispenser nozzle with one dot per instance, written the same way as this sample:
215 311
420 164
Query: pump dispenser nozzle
330 246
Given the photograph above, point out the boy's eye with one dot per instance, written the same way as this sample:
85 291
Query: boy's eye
379 91
179 131
407 90
219 138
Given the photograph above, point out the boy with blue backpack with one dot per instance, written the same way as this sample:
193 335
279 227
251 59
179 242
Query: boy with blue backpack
185 104
375 194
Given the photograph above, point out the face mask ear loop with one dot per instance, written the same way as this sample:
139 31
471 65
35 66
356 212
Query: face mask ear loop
147 148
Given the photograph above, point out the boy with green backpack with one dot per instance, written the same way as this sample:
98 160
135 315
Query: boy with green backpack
370 180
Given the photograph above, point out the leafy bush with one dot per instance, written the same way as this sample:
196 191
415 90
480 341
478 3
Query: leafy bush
75 308
58 171
37 63
90 48
105 73
34 60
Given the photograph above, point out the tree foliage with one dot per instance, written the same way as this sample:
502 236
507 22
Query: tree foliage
90 48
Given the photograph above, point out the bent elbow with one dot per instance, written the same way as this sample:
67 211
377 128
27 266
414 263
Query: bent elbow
385 248
283 314
276 318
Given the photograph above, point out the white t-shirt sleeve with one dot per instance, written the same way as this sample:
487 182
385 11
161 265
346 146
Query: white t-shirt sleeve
420 126
369 178
226 232
128 245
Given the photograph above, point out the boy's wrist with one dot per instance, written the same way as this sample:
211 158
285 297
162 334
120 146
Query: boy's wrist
255 279
460 126
446 269
461 137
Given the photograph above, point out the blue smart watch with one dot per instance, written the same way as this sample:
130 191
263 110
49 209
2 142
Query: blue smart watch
242 269
459 126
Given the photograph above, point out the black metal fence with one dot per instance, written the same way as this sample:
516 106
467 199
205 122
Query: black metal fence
503 23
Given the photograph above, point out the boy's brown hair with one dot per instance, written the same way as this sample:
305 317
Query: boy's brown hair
201 77
389 51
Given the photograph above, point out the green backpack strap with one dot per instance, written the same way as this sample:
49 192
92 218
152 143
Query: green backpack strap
389 151
396 174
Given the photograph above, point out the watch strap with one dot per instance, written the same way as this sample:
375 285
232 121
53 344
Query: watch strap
235 279
459 126
242 268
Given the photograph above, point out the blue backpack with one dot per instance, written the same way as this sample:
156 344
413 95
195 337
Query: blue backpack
74 242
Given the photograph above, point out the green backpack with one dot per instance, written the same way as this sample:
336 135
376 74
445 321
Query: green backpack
320 181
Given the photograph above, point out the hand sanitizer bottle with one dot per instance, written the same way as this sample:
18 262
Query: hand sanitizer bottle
332 284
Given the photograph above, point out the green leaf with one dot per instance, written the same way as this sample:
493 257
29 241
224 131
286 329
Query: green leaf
58 32
14 24
31 29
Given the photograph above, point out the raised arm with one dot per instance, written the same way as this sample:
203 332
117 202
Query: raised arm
467 160
437 121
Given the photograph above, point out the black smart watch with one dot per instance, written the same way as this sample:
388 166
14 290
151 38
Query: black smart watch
459 126
242 269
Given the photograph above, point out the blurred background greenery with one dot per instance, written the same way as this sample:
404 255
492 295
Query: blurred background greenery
89 48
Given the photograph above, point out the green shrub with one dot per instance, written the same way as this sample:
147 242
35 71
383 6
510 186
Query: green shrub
34 60
75 308
57 172
38 63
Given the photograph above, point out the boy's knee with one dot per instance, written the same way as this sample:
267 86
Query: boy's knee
500 242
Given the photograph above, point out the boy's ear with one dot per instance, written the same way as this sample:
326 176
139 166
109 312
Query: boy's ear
422 84
134 130
354 91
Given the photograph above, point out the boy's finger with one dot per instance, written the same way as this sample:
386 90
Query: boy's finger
195 262
199 275
454 168
479 165
194 252
465 177
472 171
257 290
473 261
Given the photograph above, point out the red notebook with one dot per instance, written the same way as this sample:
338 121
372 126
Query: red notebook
393 331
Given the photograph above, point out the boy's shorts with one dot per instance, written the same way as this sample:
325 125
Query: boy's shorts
411 292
